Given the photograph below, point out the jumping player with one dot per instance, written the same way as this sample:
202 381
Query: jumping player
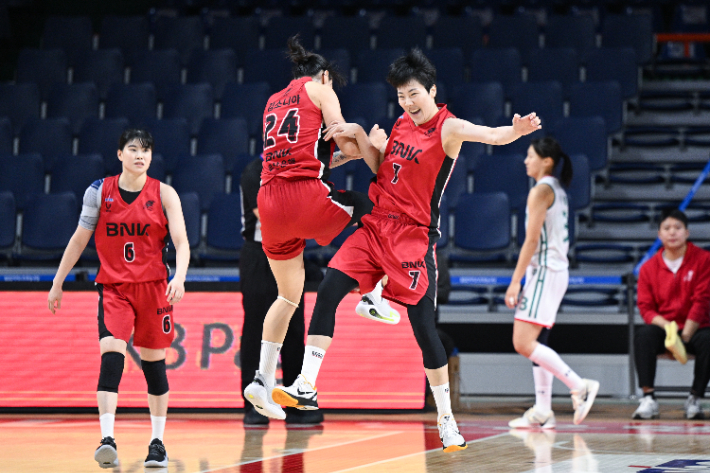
295 201
129 216
543 261
399 237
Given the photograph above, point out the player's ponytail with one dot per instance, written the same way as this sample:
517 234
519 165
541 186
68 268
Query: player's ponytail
548 147
307 63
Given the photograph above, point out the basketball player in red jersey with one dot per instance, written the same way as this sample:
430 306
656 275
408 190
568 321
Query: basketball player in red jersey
398 238
295 201
129 215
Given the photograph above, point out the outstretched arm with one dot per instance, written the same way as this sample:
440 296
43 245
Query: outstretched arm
456 130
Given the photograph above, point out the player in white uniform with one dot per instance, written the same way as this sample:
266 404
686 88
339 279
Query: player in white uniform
543 261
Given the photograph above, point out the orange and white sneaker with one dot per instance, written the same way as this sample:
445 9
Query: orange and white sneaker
449 434
301 395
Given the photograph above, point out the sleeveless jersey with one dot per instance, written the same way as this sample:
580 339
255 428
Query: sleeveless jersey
553 245
293 130
415 171
130 238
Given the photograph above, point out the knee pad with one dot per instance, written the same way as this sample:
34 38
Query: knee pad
111 371
155 376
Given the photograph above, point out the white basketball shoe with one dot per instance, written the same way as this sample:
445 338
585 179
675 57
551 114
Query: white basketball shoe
259 394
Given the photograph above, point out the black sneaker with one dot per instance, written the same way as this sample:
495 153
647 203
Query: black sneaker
107 455
296 416
157 456
252 417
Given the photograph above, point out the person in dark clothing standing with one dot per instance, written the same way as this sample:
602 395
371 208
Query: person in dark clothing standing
259 291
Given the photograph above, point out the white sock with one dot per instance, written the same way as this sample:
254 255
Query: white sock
551 361
443 399
543 388
376 293
107 421
158 424
312 359
268 360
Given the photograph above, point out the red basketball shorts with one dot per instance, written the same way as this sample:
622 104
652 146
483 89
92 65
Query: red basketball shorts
138 308
390 243
293 211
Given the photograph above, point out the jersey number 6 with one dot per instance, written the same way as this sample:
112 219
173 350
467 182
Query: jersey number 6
128 252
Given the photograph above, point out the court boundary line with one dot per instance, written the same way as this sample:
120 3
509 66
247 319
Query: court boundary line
502 434
302 451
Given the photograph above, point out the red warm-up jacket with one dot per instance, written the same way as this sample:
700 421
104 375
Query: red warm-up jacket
680 296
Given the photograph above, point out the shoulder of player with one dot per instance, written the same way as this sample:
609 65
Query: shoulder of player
167 193
542 193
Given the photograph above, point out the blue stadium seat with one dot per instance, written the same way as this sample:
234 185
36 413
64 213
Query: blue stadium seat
362 177
101 136
474 151
136 102
193 102
603 99
458 182
190 202
157 167
42 67
203 174
103 67
463 32
519 32
51 137
519 146
280 28
162 68
505 173
77 102
19 102
8 222
23 175
227 137
367 100
558 64
184 34
372 66
270 65
239 164
584 135
401 32
580 189
224 226
617 64
543 98
340 58
246 101
635 31
570 31
48 223
76 173
217 67
172 139
6 136
449 65
497 65
73 34
605 253
484 100
482 225
338 178
348 33
238 33
128 33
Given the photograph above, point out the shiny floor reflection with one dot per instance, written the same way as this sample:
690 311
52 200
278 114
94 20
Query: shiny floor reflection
357 443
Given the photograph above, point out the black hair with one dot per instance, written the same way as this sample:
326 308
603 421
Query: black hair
143 136
413 66
674 213
306 63
548 147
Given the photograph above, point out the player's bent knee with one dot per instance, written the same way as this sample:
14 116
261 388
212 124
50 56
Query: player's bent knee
111 371
155 376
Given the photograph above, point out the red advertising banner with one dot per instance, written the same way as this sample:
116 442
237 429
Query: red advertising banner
53 360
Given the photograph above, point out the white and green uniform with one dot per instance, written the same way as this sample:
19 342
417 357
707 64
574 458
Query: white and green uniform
547 276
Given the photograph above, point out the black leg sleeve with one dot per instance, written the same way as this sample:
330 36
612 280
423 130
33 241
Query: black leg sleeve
333 289
421 316
648 344
699 346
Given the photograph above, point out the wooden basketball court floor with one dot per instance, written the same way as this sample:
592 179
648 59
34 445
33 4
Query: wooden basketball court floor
608 442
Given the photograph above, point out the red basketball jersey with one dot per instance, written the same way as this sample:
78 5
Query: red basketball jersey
130 238
412 178
293 130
